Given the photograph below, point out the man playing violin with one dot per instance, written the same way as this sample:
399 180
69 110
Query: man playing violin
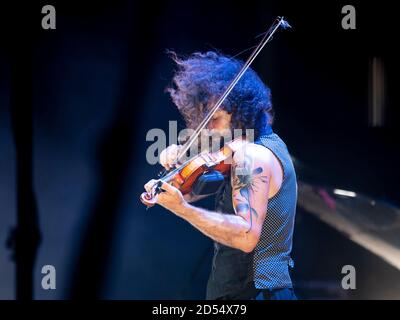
252 224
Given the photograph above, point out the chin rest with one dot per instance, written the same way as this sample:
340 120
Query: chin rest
208 183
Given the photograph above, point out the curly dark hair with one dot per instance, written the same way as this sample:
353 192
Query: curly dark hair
202 78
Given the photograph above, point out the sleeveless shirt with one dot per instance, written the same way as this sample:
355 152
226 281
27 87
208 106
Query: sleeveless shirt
238 275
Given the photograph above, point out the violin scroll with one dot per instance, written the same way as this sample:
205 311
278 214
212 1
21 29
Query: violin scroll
148 199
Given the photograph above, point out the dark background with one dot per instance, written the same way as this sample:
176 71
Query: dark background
76 104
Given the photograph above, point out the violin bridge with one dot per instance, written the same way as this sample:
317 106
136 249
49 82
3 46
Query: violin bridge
209 161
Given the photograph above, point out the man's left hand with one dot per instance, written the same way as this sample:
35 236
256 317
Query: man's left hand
171 198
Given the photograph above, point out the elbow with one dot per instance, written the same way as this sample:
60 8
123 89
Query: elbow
250 242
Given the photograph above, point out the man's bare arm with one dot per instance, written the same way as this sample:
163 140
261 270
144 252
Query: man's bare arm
250 185
190 197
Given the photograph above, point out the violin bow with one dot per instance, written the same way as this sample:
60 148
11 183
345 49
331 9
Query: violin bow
278 22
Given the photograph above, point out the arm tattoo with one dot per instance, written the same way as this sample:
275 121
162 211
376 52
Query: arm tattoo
245 180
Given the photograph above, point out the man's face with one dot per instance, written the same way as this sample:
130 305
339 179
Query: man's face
218 132
220 122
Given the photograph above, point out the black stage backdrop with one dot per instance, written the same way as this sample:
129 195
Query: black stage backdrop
77 102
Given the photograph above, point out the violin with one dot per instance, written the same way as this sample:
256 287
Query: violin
205 173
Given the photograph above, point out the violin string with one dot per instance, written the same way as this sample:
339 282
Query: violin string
245 50
256 46
168 175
